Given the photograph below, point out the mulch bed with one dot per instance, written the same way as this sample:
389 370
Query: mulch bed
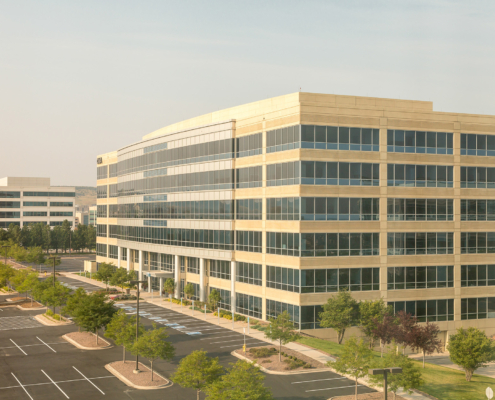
275 365
27 304
87 339
369 396
141 379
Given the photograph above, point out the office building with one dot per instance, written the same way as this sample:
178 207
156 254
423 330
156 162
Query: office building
282 202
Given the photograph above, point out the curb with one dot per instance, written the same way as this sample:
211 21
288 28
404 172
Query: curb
73 342
267 371
30 309
48 322
123 379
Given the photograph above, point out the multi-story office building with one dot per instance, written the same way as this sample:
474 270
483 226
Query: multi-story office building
25 201
92 213
282 202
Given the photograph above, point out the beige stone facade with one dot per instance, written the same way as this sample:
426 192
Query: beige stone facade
338 111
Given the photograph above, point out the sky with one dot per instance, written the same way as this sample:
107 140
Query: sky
82 78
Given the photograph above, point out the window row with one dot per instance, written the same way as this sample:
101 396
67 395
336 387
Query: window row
113 251
220 269
49 194
410 175
339 244
209 180
249 241
251 145
35 213
101 230
248 273
420 209
206 209
478 308
477 275
155 172
61 214
162 262
477 210
477 242
102 172
249 177
282 243
478 177
426 310
10 195
339 138
102 192
249 209
400 141
339 209
60 204
416 243
477 145
274 308
420 277
193 265
101 211
101 249
11 204
202 152
36 204
339 173
249 305
10 214
225 302
113 190
200 238
282 139
113 170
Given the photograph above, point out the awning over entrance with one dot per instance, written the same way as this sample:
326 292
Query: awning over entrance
159 274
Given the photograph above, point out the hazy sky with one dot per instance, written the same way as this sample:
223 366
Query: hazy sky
81 78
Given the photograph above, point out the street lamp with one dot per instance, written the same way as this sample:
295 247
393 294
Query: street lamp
6 252
137 371
385 372
55 259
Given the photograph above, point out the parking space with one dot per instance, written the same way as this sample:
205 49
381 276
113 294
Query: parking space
18 322
69 264
75 284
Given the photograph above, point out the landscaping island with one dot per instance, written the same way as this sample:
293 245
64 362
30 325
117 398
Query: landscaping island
125 372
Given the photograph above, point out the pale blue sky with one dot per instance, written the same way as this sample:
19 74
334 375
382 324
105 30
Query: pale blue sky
80 78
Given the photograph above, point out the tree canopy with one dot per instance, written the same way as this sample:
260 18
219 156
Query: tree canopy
340 312
282 329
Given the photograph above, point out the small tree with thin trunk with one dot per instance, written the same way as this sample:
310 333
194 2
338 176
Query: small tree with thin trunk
105 273
29 283
197 371
410 378
169 286
152 344
213 299
355 360
369 312
282 329
189 290
385 330
55 296
470 349
122 330
74 302
121 277
425 338
243 381
406 325
94 313
340 312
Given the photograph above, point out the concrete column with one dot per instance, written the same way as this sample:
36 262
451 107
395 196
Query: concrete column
232 285
202 294
149 284
128 263
119 257
177 277
140 271
161 286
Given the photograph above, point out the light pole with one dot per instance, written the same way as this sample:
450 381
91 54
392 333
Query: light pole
385 372
6 247
54 258
137 371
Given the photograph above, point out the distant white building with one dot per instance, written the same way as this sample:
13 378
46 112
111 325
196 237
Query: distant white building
32 200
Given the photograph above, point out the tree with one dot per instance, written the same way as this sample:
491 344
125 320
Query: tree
340 312
6 273
55 296
189 290
122 330
385 330
40 288
46 238
410 378
405 329
369 311
243 381
74 302
426 339
470 349
15 233
49 262
28 283
57 237
213 299
282 329
65 235
120 277
197 371
35 255
105 272
94 313
19 276
355 360
91 237
152 345
169 286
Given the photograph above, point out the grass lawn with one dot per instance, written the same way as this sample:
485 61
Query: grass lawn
440 382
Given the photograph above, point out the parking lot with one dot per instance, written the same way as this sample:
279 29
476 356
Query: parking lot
68 264
37 364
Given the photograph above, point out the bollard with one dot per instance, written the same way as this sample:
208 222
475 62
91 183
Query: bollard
205 311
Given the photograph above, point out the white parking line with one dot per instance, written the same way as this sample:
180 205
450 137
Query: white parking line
319 380
58 387
45 344
235 345
236 340
18 347
19 382
101 391
341 387
218 337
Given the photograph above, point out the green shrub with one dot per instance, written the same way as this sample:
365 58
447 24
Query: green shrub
266 361
49 313
262 352
293 364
